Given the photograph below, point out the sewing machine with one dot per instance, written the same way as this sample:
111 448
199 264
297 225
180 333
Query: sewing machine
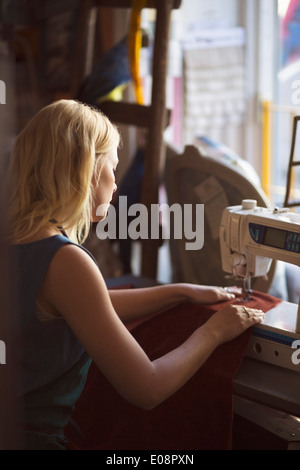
250 237
267 385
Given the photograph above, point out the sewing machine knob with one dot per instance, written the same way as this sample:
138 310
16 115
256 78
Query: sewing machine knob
249 204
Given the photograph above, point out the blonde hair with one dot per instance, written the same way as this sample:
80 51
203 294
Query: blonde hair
54 158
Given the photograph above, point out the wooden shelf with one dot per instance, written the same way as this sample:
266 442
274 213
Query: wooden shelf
154 118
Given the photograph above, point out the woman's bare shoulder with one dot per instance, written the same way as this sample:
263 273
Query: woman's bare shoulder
72 272
70 255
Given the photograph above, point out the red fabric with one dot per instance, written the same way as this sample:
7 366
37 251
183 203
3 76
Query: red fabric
199 416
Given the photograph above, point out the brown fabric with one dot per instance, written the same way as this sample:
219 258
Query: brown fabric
199 416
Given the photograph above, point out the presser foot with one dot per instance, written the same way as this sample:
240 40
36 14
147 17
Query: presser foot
246 290
246 297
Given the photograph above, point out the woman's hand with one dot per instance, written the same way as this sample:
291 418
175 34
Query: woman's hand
232 320
210 294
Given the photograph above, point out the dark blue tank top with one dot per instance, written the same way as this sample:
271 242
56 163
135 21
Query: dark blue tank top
52 363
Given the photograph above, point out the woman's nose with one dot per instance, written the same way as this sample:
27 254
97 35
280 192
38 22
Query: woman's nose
115 188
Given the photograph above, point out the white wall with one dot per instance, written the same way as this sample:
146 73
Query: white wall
210 13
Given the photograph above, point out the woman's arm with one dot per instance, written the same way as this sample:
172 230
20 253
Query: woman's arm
131 304
74 287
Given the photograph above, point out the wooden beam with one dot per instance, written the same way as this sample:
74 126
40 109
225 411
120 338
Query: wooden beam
128 3
155 151
78 67
131 114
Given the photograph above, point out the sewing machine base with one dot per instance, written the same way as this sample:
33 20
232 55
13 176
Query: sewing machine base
260 427
275 341
267 374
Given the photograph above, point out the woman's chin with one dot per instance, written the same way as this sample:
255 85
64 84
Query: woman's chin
101 213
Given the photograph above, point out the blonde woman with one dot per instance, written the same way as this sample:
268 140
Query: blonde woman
61 169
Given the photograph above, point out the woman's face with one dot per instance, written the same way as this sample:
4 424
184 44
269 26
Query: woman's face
105 187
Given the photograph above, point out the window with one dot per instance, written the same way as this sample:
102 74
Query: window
284 105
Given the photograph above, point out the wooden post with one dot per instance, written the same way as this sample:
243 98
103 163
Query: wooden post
155 153
80 46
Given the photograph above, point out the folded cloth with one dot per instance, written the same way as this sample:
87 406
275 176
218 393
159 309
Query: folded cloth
197 417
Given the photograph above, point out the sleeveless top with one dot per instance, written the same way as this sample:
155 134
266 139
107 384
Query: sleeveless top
52 364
